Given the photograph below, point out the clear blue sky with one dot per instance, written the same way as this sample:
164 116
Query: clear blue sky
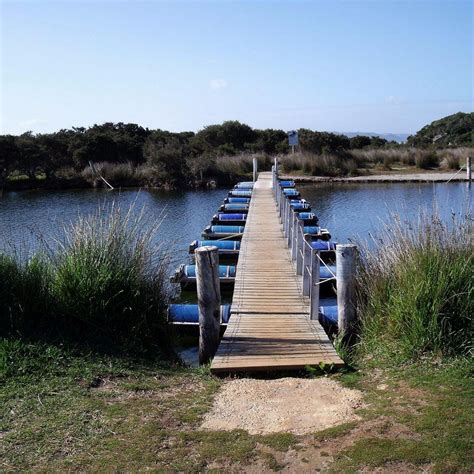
381 66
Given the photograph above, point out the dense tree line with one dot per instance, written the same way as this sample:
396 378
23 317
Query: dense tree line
453 130
171 156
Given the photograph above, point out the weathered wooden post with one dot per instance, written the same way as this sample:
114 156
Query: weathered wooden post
306 265
276 166
255 169
299 247
346 256
209 301
314 290
469 168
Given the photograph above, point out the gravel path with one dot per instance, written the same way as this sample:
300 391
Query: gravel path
293 405
388 178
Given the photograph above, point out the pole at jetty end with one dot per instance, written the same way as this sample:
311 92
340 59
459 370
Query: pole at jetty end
346 255
255 169
469 168
209 301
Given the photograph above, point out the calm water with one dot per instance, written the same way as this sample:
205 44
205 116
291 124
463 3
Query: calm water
357 211
347 210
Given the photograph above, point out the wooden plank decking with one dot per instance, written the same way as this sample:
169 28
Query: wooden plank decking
270 327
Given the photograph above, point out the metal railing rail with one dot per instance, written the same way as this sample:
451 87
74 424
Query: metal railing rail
307 260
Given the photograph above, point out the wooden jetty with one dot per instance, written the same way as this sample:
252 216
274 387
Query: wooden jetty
270 326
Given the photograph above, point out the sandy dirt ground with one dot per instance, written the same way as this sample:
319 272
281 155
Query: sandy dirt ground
295 405
441 177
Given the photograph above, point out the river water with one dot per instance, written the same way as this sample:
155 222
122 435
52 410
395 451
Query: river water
348 210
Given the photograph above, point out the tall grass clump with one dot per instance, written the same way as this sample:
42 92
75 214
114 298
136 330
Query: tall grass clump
415 291
103 284
25 299
109 279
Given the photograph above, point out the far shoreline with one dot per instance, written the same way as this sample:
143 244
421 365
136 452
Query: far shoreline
418 177
427 177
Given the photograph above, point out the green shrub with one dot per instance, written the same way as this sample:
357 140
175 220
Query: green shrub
415 291
425 159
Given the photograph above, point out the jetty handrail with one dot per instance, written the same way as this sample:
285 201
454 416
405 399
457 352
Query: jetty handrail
308 260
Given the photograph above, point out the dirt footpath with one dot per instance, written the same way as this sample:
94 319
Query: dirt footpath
294 405
423 177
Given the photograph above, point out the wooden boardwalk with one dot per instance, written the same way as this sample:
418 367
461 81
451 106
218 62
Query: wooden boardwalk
270 327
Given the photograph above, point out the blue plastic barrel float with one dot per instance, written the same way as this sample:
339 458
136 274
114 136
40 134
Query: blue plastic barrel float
291 192
244 185
234 207
225 247
222 231
328 311
316 232
240 193
299 205
311 229
327 271
286 183
189 314
227 218
241 200
308 218
324 246
185 275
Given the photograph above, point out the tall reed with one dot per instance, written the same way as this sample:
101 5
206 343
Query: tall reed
102 283
415 291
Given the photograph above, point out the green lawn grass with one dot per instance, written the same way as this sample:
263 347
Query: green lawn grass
66 410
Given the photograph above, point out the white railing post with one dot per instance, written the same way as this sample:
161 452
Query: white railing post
346 257
282 204
306 265
314 290
290 226
279 199
299 248
294 235
255 169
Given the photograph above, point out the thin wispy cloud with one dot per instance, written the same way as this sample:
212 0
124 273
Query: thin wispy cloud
216 84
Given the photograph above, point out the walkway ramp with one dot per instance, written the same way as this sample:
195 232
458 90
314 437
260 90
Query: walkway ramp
269 328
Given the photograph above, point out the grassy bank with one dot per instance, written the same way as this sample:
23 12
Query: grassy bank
211 170
102 284
416 292
73 406
374 161
66 409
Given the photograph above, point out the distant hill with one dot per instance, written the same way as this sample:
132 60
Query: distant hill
397 137
453 130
